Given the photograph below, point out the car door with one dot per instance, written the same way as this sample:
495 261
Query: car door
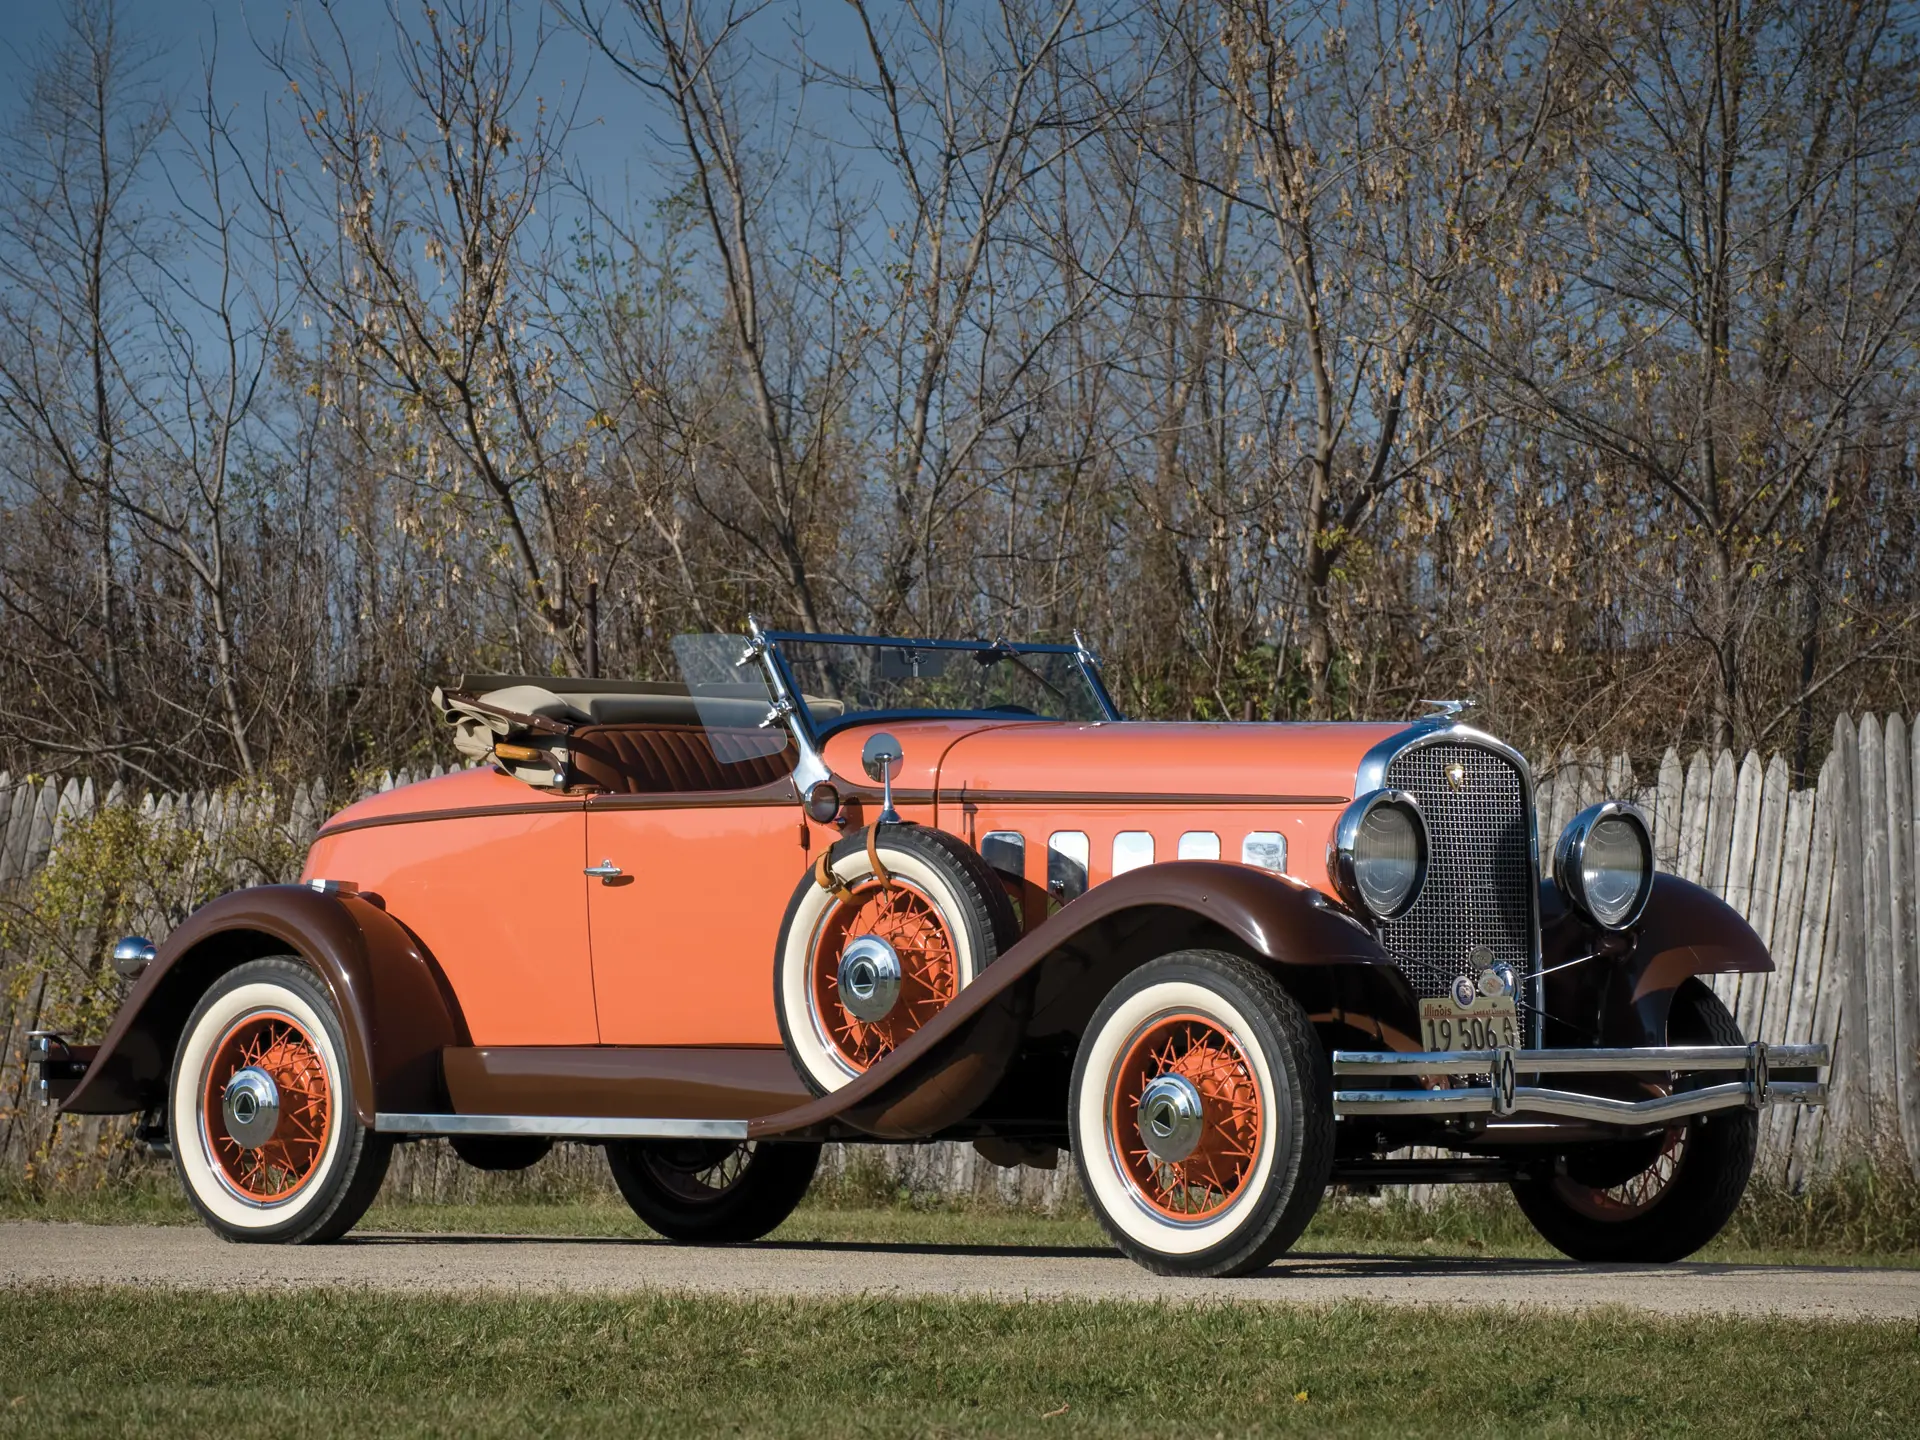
496 896
685 920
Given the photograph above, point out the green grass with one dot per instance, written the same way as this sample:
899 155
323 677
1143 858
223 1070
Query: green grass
121 1362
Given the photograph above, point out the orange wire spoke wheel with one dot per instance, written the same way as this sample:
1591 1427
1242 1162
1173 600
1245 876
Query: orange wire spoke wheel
267 1108
1186 1118
869 998
1637 1194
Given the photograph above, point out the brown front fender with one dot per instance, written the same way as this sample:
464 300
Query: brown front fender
394 1008
1053 978
1687 930
1616 988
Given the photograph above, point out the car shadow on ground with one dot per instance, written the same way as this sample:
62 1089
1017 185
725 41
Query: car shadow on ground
1306 1265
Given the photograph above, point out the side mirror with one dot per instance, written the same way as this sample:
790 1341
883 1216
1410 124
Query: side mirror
878 757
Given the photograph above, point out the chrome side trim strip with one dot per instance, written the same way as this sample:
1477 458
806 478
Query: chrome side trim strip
563 1127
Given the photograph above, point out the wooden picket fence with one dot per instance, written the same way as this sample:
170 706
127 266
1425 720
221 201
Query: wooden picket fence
1827 876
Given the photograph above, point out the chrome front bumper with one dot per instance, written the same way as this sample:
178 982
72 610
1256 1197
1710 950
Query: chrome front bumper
1506 1096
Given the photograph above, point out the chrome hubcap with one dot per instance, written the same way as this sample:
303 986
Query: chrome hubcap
251 1107
869 978
1170 1117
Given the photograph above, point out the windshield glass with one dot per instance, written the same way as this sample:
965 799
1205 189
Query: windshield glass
730 698
856 678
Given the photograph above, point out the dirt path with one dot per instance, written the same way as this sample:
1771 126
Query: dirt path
188 1256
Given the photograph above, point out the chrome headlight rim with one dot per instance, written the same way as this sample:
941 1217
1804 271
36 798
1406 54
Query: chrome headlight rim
1570 853
1342 862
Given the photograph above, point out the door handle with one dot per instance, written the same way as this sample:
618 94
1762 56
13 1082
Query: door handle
604 871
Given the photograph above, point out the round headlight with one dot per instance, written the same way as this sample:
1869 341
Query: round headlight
1379 859
1603 864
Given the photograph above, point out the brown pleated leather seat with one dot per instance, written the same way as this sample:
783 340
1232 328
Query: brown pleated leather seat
670 759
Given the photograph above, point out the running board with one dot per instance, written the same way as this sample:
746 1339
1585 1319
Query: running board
562 1127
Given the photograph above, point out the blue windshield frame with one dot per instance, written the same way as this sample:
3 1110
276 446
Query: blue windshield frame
1088 665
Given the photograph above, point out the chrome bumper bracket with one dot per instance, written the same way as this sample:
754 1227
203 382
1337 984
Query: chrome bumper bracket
1504 1096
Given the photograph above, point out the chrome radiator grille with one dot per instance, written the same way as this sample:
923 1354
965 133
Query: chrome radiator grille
1480 874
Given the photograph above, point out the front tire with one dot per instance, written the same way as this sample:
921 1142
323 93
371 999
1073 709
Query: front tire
1652 1202
261 1111
708 1192
1202 1115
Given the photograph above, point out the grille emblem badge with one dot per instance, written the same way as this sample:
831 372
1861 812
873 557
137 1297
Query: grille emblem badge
1456 777
1463 989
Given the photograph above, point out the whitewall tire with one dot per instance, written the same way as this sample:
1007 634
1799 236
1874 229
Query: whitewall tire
261 1110
1201 1112
940 916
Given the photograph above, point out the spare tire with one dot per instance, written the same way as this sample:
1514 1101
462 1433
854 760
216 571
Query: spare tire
869 957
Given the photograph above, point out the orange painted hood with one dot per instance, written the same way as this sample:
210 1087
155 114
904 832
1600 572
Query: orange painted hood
1303 762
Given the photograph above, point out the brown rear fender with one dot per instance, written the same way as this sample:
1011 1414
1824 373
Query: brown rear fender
1049 983
394 1007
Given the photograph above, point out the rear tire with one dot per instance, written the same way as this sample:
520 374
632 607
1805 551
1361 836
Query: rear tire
1225 1185
260 1108
1606 1207
708 1192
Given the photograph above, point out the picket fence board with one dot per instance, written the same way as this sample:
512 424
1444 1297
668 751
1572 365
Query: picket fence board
1913 928
1784 984
1737 887
1814 1016
1882 1101
1763 890
1666 811
9 799
1902 975
1722 813
1693 817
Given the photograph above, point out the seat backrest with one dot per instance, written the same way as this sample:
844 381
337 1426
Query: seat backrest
670 759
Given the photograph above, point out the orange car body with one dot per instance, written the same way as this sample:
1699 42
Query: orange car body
488 872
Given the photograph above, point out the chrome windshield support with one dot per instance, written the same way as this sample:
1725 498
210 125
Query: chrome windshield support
809 769
1090 665
1752 1065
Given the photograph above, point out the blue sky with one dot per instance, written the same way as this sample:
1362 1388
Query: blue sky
610 148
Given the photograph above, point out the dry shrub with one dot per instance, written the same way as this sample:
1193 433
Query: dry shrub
117 871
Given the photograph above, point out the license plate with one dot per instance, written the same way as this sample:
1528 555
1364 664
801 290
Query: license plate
1490 1021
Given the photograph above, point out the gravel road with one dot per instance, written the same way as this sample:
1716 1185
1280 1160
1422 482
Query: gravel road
187 1256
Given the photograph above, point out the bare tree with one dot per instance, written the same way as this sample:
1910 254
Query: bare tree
1738 315
1392 156
415 232
74 237
790 359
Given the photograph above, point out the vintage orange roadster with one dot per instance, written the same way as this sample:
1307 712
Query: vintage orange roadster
870 889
